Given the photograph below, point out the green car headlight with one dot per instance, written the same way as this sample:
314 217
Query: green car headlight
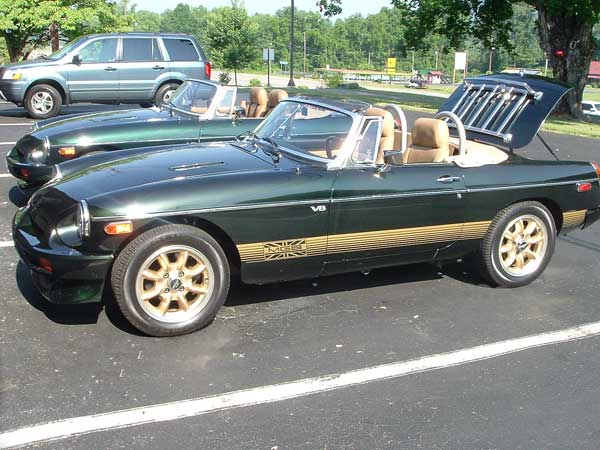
75 226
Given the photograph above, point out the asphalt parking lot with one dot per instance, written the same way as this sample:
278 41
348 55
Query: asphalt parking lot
401 358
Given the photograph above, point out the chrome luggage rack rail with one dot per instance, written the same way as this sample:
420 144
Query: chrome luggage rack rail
493 108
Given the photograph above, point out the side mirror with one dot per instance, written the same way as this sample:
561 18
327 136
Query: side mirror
238 112
76 60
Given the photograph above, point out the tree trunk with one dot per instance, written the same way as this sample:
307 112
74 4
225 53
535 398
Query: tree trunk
54 42
235 75
573 35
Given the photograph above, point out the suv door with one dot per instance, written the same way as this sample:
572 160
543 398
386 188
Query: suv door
398 215
184 58
141 63
96 76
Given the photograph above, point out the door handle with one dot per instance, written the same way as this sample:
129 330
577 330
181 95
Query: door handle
158 67
110 69
448 179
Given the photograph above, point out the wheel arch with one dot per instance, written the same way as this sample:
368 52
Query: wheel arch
216 232
552 206
167 80
51 82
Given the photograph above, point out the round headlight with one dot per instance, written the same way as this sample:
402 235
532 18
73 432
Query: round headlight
37 155
75 226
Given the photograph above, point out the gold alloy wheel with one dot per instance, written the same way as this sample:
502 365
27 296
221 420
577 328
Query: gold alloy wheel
523 245
174 283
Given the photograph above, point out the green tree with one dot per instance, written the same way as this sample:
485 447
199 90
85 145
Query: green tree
25 24
186 19
147 21
233 38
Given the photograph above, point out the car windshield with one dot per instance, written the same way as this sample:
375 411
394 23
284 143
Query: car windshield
306 128
193 97
65 49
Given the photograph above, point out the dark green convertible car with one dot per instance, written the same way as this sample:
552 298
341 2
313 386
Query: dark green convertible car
199 111
321 187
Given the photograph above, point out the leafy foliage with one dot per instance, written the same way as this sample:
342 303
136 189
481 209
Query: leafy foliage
24 23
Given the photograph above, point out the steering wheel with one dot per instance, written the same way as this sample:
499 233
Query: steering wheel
330 144
462 135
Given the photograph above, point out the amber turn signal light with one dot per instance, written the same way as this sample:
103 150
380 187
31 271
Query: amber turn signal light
115 228
67 152
596 167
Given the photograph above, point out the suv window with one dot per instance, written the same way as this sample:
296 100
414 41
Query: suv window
141 49
181 49
99 51
587 107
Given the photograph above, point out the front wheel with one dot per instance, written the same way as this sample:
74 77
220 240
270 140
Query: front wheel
171 280
42 101
518 245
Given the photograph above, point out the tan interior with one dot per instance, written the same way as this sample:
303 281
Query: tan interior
275 96
257 105
387 131
199 109
476 154
430 141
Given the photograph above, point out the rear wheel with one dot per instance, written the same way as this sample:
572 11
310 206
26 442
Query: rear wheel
171 280
164 93
43 101
519 244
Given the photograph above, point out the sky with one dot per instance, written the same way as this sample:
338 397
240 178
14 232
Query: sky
269 6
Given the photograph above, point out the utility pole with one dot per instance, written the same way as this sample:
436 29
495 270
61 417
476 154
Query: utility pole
412 67
437 54
491 58
291 82
305 53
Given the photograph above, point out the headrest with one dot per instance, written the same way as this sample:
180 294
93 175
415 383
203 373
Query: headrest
258 95
431 133
387 128
275 96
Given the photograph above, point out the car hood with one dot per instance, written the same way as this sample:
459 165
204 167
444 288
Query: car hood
32 63
81 125
175 164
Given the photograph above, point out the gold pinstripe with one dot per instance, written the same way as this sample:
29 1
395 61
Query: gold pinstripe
352 242
573 218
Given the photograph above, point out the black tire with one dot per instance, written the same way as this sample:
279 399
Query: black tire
42 101
131 262
162 94
494 267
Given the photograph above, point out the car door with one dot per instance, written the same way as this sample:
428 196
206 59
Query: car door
95 77
141 62
386 215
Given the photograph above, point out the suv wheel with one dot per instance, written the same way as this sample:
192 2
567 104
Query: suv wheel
164 93
42 101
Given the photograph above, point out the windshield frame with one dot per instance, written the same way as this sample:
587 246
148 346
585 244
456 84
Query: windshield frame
347 147
220 93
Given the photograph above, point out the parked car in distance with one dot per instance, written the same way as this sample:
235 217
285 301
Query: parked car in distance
591 108
142 68
199 111
321 187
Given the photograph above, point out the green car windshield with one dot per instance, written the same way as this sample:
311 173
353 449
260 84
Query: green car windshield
313 130
193 97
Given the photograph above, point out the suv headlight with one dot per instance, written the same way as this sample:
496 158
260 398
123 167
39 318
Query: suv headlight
12 75
75 226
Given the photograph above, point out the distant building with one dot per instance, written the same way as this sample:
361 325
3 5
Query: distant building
594 74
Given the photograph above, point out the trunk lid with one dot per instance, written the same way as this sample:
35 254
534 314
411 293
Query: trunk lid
505 110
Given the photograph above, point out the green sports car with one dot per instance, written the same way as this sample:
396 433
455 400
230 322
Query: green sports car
199 111
320 187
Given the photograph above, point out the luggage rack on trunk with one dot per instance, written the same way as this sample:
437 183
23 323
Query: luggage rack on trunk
493 108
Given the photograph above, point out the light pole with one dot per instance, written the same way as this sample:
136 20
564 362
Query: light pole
437 54
491 58
412 67
291 82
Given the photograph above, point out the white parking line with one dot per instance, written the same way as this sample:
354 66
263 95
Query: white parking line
20 124
62 429
5 175
4 244
7 143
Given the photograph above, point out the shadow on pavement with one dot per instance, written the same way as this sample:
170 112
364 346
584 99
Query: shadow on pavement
84 314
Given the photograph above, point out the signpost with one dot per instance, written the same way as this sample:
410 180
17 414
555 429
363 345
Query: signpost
268 55
390 68
460 63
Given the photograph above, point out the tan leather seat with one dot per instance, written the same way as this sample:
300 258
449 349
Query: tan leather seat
387 131
257 106
430 142
275 96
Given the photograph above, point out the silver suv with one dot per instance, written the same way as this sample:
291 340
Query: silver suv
142 68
